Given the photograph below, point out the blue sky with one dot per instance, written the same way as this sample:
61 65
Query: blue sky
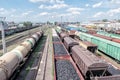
52 10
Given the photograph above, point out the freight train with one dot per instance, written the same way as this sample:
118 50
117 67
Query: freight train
113 35
91 67
110 48
10 61
9 31
104 44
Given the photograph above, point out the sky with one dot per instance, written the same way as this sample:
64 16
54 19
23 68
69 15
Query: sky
57 10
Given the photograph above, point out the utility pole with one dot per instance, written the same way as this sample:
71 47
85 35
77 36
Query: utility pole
61 21
3 34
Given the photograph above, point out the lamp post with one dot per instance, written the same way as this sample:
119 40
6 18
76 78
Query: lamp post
3 34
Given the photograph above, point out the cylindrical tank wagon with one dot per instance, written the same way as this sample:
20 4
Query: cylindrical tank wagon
11 60
8 63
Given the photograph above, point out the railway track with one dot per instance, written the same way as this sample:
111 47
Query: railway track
18 37
65 68
13 40
29 70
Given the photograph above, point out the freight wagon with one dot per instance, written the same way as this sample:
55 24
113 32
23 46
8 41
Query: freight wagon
110 48
89 46
109 34
12 60
88 63
10 30
91 67
69 43
63 35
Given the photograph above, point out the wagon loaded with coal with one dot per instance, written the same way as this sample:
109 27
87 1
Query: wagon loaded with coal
90 66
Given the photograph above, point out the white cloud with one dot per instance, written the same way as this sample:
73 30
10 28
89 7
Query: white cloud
75 9
35 1
13 10
12 15
97 5
75 12
109 13
26 13
87 5
112 12
99 14
115 1
107 4
55 6
43 13
42 6
47 1
3 11
60 1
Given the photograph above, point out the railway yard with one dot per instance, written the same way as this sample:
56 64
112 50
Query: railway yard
59 39
45 53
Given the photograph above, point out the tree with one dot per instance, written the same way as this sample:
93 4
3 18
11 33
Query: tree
104 20
119 20
55 23
27 24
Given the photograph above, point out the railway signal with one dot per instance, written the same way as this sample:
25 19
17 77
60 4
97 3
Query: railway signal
3 34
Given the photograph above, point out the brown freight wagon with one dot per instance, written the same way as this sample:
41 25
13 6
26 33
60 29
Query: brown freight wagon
92 32
72 33
89 46
116 40
88 63
69 43
63 35
108 38
104 37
